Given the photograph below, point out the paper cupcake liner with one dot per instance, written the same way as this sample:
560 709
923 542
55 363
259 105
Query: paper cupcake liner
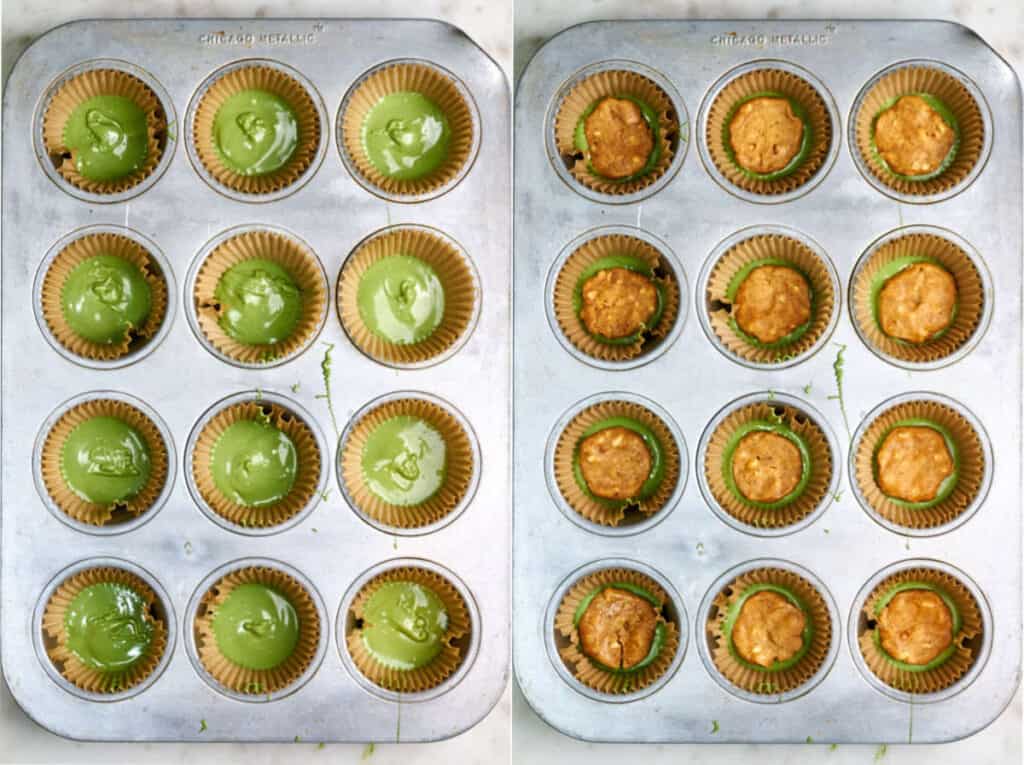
607 84
813 495
459 465
582 668
285 87
103 82
970 297
241 679
428 82
775 247
443 665
592 509
304 269
971 462
454 273
765 682
947 673
70 666
65 262
793 87
950 91
307 475
569 275
93 513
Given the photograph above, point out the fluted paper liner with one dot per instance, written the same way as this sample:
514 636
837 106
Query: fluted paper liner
70 666
774 247
951 670
257 682
607 84
435 86
582 668
442 666
459 465
454 273
569 275
285 87
103 82
301 265
592 509
970 297
795 88
73 255
971 463
950 91
307 467
815 492
93 513
765 682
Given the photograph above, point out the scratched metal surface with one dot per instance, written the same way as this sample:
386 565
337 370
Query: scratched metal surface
692 380
179 546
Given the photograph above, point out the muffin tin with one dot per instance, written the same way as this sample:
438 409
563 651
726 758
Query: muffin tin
177 547
842 547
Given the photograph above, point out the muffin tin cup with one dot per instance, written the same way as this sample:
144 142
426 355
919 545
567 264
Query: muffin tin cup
975 296
104 77
563 643
242 683
454 270
958 93
593 514
236 246
975 464
311 463
973 641
822 447
614 79
438 85
764 686
287 84
462 468
771 243
94 517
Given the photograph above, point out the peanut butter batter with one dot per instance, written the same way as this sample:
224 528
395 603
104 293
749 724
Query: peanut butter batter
617 302
618 137
915 627
771 302
917 302
912 137
615 463
913 462
765 134
617 629
768 629
766 466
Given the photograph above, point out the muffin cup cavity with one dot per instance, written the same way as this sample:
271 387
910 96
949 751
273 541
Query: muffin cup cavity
453 269
439 86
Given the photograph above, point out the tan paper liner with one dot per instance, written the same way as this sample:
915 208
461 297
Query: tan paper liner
565 288
285 87
428 82
951 92
300 264
610 84
459 465
307 474
65 262
763 682
970 294
93 513
582 668
460 294
103 82
948 672
972 465
241 679
455 638
813 494
592 509
79 674
804 260
793 87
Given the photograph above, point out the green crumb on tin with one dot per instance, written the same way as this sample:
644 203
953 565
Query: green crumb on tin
367 751
320 746
880 752
807 389
714 726
771 395
295 387
700 548
202 725
297 739
833 747
325 494
809 740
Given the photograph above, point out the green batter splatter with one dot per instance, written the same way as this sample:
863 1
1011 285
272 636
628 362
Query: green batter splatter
325 368
837 367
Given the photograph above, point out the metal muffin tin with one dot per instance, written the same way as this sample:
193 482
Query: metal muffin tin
692 548
179 547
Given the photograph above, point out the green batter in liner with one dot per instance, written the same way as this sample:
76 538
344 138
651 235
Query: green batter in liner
734 286
947 116
660 629
889 271
734 613
947 486
778 427
806 142
943 657
651 441
650 117
631 263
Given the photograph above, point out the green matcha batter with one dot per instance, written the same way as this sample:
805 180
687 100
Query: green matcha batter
255 132
256 627
107 137
105 460
253 463
404 625
404 460
406 136
400 299
104 298
108 628
260 303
